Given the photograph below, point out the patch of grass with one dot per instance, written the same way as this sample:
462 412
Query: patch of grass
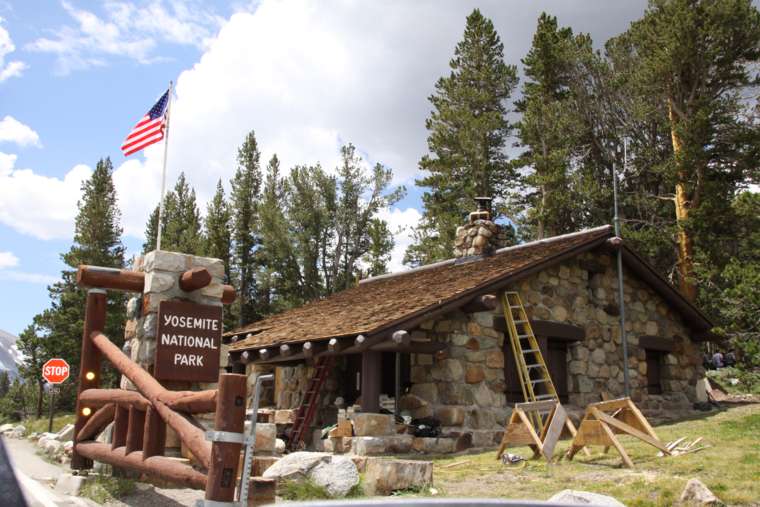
728 467
103 489
302 490
41 425
748 380
358 490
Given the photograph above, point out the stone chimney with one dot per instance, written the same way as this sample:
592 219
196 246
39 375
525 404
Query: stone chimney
480 236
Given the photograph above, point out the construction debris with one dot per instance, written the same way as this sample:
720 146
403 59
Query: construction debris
676 449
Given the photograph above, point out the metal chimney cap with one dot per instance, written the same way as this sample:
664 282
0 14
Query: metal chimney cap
484 203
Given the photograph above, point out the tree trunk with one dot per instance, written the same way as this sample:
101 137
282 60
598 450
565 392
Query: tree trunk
683 203
40 394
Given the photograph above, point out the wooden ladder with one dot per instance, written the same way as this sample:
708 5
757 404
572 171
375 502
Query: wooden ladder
309 402
531 367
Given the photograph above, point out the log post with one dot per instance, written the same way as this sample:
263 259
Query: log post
89 367
401 337
194 279
120 424
370 381
154 441
225 455
285 350
334 345
135 430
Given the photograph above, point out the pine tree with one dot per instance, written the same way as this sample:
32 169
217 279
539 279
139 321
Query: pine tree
217 238
32 346
689 62
97 241
246 186
5 383
181 222
468 131
380 247
548 130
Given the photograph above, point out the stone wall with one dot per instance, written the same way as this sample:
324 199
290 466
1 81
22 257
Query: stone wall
464 385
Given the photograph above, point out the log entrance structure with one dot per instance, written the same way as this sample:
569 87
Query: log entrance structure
140 417
605 419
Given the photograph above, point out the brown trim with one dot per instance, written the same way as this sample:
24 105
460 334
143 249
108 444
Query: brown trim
657 343
558 330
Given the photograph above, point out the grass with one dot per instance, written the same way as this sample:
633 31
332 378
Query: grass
308 490
747 381
103 489
729 467
41 425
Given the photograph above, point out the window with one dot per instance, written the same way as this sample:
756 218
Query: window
654 371
388 369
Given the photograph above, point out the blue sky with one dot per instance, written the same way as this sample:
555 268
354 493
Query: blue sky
307 76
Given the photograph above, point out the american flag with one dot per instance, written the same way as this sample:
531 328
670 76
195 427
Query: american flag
150 128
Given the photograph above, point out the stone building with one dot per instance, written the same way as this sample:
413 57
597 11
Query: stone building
453 361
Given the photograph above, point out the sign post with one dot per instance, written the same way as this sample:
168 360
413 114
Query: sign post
55 371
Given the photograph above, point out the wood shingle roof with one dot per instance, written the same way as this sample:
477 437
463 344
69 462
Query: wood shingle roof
391 301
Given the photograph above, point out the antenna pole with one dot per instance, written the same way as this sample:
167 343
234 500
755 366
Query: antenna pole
621 295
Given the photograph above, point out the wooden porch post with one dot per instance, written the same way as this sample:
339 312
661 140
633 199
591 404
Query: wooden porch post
371 380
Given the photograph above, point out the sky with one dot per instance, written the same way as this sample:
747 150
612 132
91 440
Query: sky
307 76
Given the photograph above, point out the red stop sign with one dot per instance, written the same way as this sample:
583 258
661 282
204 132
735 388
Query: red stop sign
56 371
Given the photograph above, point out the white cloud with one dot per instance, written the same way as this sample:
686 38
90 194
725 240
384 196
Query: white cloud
14 68
401 224
8 260
37 205
21 276
126 30
12 130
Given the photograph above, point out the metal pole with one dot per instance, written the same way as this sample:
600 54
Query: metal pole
621 301
52 402
163 172
250 445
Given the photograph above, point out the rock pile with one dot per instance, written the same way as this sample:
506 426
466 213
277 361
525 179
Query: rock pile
57 446
336 474
11 431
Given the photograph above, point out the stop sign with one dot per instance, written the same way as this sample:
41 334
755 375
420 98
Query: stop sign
55 371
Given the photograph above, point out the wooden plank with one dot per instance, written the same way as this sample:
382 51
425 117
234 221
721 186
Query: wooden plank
505 438
643 420
591 433
610 405
554 430
536 405
529 427
611 421
620 449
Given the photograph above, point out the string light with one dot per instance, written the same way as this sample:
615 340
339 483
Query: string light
86 411
89 375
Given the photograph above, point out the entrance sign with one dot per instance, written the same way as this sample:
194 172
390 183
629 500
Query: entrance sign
56 371
188 341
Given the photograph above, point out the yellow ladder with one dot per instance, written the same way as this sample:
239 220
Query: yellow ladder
531 367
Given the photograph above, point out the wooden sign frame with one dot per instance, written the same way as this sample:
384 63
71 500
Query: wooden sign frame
520 428
605 419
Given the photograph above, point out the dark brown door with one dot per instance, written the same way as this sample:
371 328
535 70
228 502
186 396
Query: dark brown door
352 378
557 363
514 391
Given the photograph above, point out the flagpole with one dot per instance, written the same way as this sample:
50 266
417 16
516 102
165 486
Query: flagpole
163 172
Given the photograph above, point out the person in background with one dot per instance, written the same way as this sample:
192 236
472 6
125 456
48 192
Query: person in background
707 361
717 360
730 359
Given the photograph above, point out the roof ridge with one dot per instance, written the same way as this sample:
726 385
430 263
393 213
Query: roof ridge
446 262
